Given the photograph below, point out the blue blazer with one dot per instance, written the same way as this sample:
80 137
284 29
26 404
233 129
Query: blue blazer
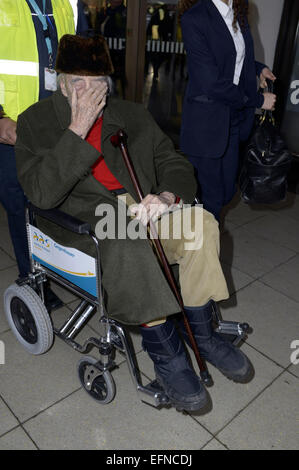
211 94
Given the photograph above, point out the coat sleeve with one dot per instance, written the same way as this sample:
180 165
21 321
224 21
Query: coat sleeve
203 69
174 173
82 25
259 67
47 175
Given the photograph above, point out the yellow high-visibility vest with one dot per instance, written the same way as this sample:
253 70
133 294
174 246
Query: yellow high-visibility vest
19 66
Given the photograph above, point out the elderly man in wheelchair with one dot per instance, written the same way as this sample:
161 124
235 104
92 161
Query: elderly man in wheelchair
66 161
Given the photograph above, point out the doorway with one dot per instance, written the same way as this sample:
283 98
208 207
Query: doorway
165 76
145 42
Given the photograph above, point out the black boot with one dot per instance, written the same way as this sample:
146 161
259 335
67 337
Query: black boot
213 347
52 301
172 367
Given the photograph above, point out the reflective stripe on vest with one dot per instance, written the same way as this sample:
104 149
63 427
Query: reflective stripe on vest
19 64
19 67
74 4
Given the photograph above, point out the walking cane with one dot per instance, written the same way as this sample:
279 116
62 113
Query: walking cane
120 140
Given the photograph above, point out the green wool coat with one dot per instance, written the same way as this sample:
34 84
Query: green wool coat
54 169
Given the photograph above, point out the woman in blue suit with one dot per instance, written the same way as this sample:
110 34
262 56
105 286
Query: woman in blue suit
221 95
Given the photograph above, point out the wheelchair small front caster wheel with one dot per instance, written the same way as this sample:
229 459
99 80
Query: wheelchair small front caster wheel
97 383
206 378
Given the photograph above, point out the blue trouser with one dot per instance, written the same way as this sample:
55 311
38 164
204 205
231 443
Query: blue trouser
13 199
217 177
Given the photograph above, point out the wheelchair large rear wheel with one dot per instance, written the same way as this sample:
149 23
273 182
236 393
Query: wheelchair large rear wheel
28 318
97 383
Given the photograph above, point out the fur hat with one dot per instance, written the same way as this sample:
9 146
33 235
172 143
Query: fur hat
78 55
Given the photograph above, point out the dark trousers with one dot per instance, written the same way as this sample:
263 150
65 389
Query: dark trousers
217 177
13 199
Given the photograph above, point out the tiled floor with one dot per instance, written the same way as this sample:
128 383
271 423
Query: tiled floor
42 405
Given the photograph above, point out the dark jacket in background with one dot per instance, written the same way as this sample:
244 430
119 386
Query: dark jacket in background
211 95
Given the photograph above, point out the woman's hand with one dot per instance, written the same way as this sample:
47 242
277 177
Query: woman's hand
269 101
153 206
266 74
8 133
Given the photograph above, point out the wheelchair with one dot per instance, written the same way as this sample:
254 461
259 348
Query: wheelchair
31 323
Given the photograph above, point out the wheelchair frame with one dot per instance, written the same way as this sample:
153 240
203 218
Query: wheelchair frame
114 337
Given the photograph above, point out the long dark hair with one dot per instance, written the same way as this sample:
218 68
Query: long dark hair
240 8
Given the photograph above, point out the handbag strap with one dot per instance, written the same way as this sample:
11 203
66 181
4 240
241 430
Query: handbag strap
270 85
266 113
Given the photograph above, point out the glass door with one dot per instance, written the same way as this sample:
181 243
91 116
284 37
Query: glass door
286 68
109 18
165 75
145 42
290 121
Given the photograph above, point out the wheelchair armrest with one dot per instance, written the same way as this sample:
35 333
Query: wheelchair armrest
61 218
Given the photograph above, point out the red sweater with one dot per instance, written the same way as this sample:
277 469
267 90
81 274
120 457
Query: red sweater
100 170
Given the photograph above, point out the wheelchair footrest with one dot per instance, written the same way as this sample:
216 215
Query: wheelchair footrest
153 394
233 331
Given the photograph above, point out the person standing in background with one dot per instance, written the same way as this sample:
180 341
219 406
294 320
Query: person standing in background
30 31
221 95
111 23
160 28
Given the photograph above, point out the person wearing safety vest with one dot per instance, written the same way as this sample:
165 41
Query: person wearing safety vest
29 31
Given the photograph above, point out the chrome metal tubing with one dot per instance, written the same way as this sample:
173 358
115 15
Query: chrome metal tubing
65 283
64 329
80 322
128 352
152 397
27 219
100 304
230 327
83 349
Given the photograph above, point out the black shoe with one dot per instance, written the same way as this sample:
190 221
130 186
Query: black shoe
222 354
173 370
52 302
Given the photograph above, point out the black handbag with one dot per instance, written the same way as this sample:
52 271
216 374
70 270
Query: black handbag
263 177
